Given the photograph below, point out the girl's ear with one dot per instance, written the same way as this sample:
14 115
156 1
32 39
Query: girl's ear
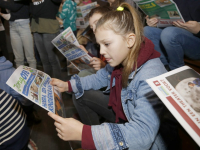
130 40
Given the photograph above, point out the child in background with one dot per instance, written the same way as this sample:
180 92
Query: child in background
67 12
97 63
133 106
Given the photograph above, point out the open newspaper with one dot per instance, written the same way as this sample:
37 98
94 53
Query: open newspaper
179 90
35 86
166 11
68 45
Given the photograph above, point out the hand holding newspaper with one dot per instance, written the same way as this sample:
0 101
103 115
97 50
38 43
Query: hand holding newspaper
166 11
68 45
35 86
179 90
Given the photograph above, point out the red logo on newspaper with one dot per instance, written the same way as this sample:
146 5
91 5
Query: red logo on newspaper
156 83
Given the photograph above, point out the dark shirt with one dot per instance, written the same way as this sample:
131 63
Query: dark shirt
190 9
45 9
18 9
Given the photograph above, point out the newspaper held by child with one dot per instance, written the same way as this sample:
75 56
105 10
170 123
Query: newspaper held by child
68 45
166 11
35 86
179 90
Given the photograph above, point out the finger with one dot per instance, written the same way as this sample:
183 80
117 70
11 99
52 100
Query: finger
60 136
94 59
182 24
147 17
175 23
53 81
55 117
97 62
58 125
59 131
96 66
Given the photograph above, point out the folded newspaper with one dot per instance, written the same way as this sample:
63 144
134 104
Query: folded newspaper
179 90
166 11
35 86
68 45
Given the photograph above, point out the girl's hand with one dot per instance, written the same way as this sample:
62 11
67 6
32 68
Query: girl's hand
68 129
151 22
192 26
83 48
61 85
97 63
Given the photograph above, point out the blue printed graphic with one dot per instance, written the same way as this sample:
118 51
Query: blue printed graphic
27 85
76 55
50 98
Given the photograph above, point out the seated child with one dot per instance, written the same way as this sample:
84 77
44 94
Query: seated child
178 41
133 105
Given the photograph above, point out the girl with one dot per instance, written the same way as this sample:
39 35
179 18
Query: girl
131 60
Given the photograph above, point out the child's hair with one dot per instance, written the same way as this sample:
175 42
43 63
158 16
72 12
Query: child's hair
116 4
123 23
101 10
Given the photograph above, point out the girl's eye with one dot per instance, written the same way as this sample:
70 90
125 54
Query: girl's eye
107 44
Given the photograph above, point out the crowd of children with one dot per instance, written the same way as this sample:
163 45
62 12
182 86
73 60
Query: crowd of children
128 54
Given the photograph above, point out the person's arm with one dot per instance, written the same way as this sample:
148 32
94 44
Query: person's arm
138 134
191 26
94 81
11 6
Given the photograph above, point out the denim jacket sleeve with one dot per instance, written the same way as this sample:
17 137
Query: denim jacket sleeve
143 109
95 81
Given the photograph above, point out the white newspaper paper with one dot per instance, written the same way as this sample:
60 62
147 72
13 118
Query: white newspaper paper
179 90
35 86
68 45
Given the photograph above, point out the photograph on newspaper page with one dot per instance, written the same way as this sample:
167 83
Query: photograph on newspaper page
166 11
179 90
35 86
68 45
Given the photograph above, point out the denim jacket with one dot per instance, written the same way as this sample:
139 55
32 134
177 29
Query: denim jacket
141 106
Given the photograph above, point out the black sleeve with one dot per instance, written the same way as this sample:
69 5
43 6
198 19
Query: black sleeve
11 6
57 1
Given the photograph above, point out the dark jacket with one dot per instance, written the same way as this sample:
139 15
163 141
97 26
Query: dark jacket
18 9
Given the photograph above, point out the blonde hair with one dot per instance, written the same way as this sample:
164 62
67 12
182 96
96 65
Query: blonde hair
123 23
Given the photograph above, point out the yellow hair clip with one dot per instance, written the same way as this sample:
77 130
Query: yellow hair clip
120 8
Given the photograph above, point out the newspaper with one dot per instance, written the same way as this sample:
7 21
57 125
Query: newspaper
82 12
179 90
35 86
166 11
68 45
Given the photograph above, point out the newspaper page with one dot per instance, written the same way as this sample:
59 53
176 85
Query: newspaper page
68 45
179 90
166 11
82 20
35 86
